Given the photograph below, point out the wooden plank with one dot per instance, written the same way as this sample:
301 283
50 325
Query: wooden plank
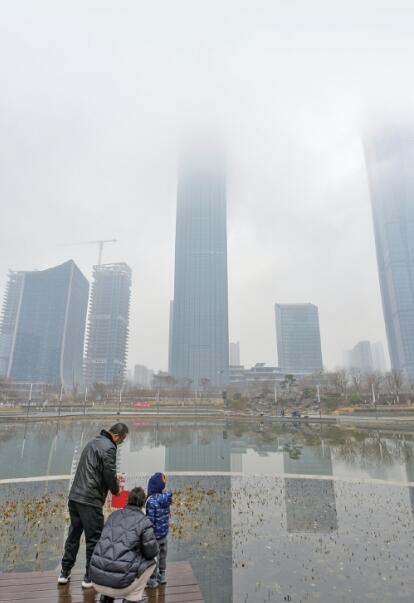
42 587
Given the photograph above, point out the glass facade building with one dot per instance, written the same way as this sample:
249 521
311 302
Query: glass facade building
390 164
298 338
199 352
108 324
43 326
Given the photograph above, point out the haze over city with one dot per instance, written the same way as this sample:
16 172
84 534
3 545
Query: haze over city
97 102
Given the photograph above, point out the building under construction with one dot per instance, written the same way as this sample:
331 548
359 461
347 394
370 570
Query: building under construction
108 325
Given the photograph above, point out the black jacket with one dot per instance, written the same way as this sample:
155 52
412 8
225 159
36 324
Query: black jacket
126 548
96 472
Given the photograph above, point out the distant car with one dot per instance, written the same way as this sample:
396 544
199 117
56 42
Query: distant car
142 404
296 414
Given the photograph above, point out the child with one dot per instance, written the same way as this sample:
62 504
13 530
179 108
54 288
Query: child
158 510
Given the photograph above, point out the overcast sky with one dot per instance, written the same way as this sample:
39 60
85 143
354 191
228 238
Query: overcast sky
96 98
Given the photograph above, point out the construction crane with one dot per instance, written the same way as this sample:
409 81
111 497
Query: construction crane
100 243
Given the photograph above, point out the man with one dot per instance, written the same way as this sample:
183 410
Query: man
95 475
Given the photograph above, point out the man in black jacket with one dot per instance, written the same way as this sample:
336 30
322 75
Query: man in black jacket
95 475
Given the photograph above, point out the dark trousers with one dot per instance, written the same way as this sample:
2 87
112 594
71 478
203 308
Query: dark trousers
83 518
161 559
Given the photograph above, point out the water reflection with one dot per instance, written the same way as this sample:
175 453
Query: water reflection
38 449
294 530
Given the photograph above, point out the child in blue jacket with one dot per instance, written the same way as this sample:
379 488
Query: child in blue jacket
158 510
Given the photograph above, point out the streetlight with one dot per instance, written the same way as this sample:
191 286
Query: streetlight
120 372
319 400
30 399
60 399
86 397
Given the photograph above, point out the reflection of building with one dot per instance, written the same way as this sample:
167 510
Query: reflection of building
389 158
208 451
200 340
201 455
234 354
310 503
298 338
43 325
307 460
108 324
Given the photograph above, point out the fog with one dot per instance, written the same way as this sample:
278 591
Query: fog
96 99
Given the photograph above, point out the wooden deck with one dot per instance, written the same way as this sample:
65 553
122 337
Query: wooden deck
42 587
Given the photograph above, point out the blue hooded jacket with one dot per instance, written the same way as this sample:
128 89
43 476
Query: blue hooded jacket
158 505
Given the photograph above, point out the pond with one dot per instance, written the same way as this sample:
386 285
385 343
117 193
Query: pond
264 511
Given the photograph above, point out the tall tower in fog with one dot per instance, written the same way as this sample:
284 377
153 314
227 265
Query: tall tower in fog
199 349
390 163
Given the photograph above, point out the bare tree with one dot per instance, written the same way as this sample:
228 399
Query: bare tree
340 381
355 375
395 382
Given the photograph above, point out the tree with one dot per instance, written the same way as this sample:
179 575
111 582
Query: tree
340 382
395 382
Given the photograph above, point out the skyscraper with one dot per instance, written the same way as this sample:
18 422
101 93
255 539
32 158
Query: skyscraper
43 325
378 357
298 338
360 356
108 324
235 354
390 159
200 340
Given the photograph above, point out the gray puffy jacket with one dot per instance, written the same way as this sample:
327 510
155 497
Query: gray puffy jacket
126 548
96 472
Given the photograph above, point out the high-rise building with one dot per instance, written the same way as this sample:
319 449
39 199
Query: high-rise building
143 376
200 340
298 338
10 310
390 158
108 325
378 357
43 325
170 336
234 354
360 357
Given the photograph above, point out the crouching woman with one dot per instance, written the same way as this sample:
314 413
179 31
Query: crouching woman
124 557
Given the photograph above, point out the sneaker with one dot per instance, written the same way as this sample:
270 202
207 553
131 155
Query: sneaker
86 582
64 577
106 599
152 583
162 579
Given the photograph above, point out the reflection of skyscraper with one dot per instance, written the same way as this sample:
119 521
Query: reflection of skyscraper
200 341
298 338
108 324
389 158
208 451
310 503
44 325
